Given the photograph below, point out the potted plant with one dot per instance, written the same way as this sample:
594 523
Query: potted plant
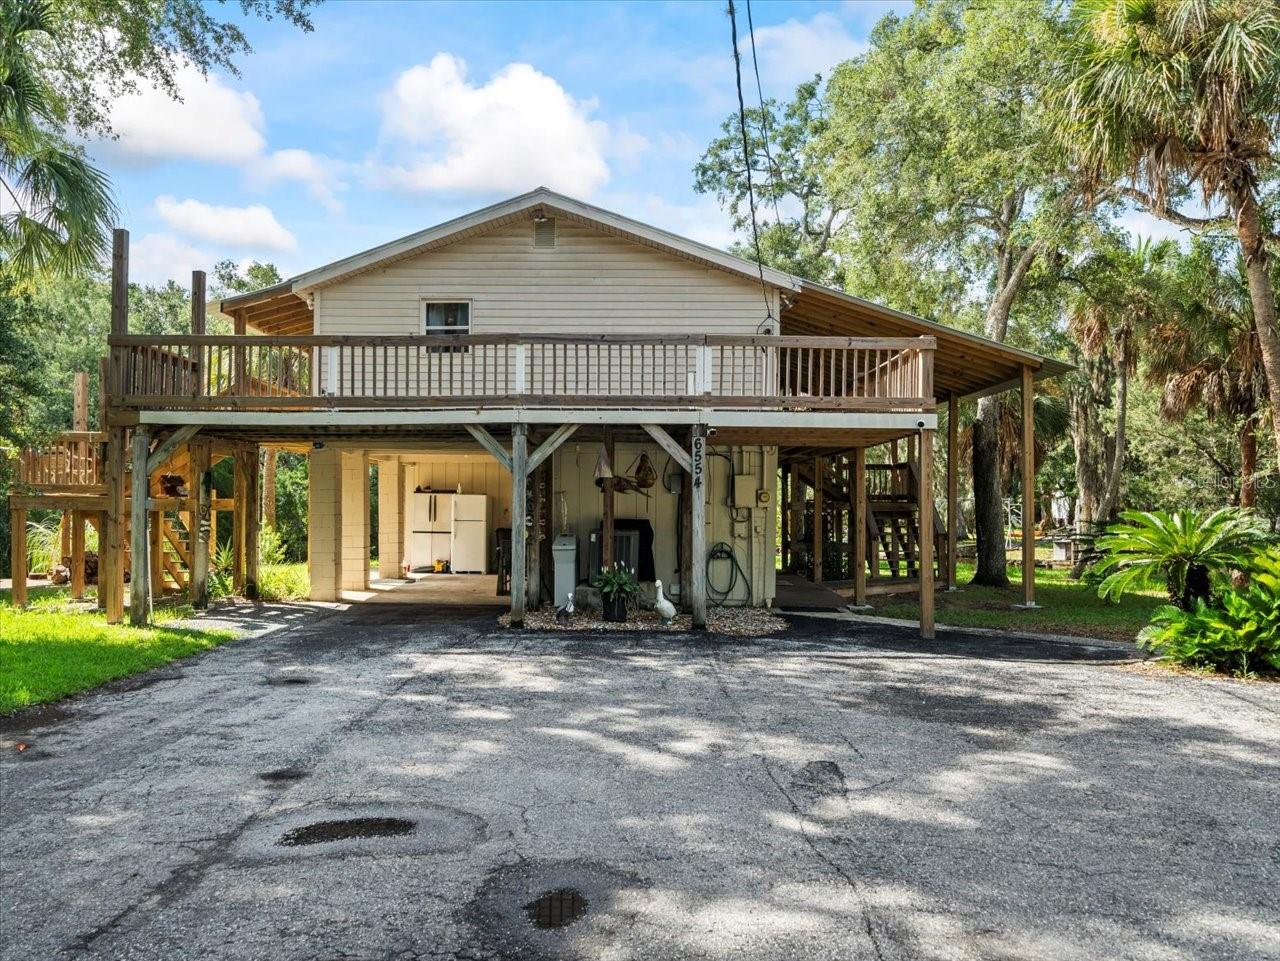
616 584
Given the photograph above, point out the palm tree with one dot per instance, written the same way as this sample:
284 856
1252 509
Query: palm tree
56 208
1126 295
1206 355
1164 94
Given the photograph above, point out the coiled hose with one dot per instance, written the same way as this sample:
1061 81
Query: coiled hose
721 551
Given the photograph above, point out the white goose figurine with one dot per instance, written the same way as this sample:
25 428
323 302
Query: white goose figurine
666 610
564 614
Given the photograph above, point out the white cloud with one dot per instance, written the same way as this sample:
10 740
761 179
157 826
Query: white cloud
518 130
318 174
254 227
212 122
792 52
157 258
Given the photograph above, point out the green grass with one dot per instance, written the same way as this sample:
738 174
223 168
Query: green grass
1066 607
54 649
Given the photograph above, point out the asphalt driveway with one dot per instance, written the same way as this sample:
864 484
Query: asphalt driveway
843 792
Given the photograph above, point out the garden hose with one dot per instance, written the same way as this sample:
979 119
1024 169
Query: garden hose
721 551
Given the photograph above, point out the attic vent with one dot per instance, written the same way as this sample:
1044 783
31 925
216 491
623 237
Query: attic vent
544 233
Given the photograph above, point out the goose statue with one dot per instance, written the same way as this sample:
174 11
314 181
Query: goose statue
564 614
666 610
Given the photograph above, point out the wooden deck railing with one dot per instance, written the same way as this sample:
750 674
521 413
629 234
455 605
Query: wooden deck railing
73 462
422 371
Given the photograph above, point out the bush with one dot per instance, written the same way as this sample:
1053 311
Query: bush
278 580
283 582
1185 552
1241 633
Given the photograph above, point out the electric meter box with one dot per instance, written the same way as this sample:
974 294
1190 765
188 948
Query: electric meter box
744 490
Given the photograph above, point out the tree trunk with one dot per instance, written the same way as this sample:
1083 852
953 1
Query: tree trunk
1109 496
1248 462
1263 298
269 487
992 567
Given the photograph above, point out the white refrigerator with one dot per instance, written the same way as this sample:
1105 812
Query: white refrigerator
430 536
469 553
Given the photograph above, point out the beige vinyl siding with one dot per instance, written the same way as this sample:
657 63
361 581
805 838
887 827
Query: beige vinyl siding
589 283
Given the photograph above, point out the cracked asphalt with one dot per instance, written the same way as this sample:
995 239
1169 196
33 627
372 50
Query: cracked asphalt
843 791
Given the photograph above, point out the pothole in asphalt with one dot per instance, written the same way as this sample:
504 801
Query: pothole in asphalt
346 829
287 680
282 776
556 909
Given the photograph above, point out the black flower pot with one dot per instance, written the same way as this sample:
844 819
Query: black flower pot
615 608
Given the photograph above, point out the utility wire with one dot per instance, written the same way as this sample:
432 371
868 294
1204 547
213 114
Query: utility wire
746 157
764 116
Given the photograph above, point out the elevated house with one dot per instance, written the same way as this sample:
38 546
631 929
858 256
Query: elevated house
591 381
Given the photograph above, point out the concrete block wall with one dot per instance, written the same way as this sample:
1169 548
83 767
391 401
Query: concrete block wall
355 521
324 517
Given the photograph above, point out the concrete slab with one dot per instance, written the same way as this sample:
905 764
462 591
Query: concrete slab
441 590
845 791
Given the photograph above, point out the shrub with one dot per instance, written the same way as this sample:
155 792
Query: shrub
1241 633
283 582
1184 552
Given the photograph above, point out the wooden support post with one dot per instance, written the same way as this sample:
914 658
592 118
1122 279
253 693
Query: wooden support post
1028 490
240 522
684 510
239 358
111 558
606 491
784 517
924 497
139 579
77 554
698 527
253 521
64 537
80 402
100 523
202 516
858 527
819 473
533 553
796 506
519 511
198 303
155 554
119 281
953 489
18 556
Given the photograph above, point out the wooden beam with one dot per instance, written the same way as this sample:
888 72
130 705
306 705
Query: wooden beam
201 490
698 527
18 556
77 554
953 489
487 441
1028 490
668 444
140 566
858 527
796 505
111 546
252 521
164 450
784 517
550 445
924 549
198 286
155 556
819 483
533 551
607 558
519 507
119 281
80 402
240 521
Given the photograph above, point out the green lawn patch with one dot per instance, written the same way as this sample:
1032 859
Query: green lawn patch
1066 607
54 649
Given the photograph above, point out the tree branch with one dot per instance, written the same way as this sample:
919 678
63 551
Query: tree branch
1165 212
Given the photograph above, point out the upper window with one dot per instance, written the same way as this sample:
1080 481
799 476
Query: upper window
446 318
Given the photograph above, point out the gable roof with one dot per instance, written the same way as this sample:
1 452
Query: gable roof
965 364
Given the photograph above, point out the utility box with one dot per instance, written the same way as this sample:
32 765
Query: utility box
745 490
564 557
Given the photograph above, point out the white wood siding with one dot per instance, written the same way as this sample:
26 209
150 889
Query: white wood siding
589 283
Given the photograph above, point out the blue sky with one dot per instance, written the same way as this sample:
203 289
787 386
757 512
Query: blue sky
391 117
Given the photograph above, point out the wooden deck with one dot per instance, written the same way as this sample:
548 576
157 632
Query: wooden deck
314 372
